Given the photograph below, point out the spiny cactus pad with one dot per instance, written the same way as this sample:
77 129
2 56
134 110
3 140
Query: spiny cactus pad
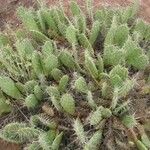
74 81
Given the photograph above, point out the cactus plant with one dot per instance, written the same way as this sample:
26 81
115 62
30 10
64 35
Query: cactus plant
67 59
78 78
68 103
19 132
38 92
50 63
46 139
81 85
94 142
63 83
31 101
8 86
96 116
4 106
36 63
79 130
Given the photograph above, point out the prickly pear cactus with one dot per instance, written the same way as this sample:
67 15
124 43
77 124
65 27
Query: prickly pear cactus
76 79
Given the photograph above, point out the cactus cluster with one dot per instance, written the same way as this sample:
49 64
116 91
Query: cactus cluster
75 86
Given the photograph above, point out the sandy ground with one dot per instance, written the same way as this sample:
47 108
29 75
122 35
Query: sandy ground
8 16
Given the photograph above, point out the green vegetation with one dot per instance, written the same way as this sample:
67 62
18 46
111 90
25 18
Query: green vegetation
84 67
